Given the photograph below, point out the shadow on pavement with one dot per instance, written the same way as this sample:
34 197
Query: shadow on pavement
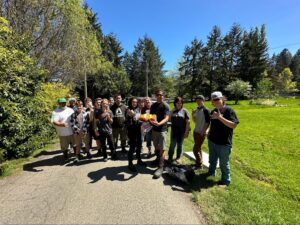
119 173
54 161
48 152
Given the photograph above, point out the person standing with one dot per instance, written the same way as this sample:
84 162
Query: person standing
223 121
159 130
104 130
146 126
180 126
134 133
97 109
61 119
119 109
201 118
80 125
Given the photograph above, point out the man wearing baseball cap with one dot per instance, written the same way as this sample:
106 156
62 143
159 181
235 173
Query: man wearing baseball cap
60 118
223 121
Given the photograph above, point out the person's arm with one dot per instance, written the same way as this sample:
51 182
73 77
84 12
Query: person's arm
157 124
217 115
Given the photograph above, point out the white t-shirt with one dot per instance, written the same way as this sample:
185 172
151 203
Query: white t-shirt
63 116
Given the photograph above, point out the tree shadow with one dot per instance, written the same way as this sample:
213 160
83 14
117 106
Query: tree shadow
117 173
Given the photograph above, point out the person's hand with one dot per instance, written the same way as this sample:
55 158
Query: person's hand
154 123
216 115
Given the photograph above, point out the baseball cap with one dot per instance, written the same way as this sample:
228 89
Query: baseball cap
200 97
216 94
61 100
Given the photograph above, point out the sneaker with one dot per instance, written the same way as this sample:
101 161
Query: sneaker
178 161
223 183
197 167
141 163
105 159
132 168
124 150
76 160
65 156
157 174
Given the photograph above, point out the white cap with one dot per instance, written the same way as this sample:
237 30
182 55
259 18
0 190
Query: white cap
216 94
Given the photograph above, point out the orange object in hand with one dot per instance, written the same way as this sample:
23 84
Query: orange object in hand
147 117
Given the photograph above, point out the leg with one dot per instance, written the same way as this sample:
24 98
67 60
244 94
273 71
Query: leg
213 158
123 137
180 139
111 146
224 152
115 136
103 144
198 140
172 146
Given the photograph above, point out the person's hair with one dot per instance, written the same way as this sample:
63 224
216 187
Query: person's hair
178 99
130 103
98 99
79 102
159 91
104 100
87 99
117 96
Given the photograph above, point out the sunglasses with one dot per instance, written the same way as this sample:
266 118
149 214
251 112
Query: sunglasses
216 99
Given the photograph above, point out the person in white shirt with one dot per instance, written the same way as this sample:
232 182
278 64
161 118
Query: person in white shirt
60 118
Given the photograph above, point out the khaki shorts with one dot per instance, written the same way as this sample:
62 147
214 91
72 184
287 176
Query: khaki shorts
65 141
159 140
85 138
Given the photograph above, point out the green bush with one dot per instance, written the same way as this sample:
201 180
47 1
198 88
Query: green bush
25 100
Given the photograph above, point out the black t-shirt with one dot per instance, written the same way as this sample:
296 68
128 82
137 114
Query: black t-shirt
104 126
160 110
119 115
219 133
178 119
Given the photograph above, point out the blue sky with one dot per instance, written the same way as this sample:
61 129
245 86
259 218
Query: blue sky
172 24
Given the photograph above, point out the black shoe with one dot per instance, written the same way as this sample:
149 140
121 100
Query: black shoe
105 159
89 155
141 163
132 168
114 156
65 156
155 162
149 155
223 183
124 150
76 160
197 167
99 153
157 174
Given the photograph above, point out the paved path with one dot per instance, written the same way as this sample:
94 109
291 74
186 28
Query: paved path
94 192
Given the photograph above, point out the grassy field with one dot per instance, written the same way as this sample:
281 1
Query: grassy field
265 165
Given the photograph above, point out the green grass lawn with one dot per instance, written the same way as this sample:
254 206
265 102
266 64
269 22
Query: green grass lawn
265 166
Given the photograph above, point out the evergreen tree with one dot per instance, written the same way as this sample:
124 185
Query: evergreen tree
283 60
214 55
295 67
253 59
144 66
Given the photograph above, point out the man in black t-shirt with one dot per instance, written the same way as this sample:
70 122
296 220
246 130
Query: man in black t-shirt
119 109
223 121
159 130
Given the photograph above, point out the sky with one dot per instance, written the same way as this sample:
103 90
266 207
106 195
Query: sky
173 24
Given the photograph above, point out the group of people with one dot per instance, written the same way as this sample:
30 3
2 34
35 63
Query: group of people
140 121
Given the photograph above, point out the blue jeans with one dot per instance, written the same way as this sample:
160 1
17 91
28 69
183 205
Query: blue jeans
221 152
176 138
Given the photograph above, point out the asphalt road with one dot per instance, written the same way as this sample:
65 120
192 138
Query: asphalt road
93 192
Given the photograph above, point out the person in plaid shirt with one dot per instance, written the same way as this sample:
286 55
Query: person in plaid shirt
80 126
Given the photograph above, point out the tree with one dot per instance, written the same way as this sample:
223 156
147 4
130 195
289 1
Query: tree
192 70
295 68
285 84
283 60
239 88
253 57
144 66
